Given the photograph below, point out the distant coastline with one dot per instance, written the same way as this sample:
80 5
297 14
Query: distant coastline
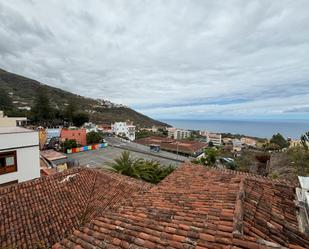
257 128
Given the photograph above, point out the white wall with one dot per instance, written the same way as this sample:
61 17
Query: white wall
122 127
28 158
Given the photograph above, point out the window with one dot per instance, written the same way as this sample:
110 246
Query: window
8 162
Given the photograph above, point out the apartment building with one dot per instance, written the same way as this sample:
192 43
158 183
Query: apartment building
124 129
176 133
215 138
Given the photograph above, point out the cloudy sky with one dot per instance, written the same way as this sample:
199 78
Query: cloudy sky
168 59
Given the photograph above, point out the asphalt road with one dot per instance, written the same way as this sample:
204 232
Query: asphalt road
117 142
101 157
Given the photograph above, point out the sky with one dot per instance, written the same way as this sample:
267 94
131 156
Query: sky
181 59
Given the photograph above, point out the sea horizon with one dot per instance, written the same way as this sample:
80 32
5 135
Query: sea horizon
263 128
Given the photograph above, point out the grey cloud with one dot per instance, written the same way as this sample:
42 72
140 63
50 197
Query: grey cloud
165 57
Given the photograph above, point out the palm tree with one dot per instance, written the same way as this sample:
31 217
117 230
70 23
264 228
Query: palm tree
124 164
150 171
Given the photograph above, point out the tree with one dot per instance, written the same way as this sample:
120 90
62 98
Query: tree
211 144
150 171
5 101
94 137
42 111
69 144
125 164
305 140
279 140
211 155
79 118
70 110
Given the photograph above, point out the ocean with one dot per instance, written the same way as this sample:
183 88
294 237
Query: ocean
260 128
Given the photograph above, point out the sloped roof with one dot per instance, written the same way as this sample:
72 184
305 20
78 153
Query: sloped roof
184 146
196 207
44 211
52 155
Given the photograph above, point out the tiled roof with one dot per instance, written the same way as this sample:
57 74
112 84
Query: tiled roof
195 207
183 146
44 211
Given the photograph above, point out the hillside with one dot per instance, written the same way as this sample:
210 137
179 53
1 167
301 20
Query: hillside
23 90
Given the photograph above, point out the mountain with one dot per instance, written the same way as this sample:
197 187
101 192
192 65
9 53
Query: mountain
23 90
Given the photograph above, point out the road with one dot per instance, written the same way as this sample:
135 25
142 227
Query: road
117 142
103 157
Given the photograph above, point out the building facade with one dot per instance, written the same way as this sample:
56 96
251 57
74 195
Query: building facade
178 134
125 129
215 138
248 141
11 121
75 134
19 155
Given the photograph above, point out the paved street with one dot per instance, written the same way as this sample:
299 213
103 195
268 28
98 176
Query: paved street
101 157
114 141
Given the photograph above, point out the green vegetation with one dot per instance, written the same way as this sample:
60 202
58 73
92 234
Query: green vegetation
150 171
79 118
94 137
42 111
69 144
5 101
209 159
299 158
24 90
239 136
145 133
305 140
279 140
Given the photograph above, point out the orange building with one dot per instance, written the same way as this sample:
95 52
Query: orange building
79 135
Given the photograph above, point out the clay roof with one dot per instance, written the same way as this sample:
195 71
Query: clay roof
43 211
184 146
195 207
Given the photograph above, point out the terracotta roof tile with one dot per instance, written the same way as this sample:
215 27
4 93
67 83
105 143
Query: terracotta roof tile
45 210
196 207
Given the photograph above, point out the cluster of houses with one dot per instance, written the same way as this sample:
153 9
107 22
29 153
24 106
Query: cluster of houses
27 154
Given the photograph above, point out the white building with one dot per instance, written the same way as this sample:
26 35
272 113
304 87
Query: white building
237 145
248 141
125 129
215 138
90 127
178 134
19 155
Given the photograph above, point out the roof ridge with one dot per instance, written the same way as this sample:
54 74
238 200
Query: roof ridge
239 211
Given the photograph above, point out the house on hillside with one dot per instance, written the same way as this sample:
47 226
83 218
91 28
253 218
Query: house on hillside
124 128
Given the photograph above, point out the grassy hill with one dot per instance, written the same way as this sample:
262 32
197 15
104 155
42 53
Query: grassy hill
23 90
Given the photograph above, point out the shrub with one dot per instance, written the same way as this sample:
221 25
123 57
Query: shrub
150 171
